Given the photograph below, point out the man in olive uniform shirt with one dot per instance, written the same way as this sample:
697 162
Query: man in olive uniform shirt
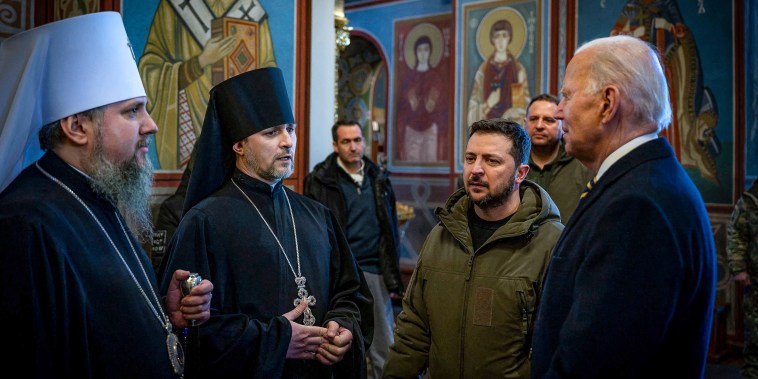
562 176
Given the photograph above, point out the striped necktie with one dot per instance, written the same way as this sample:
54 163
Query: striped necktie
588 188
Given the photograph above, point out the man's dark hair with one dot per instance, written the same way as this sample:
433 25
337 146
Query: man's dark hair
543 97
342 123
51 134
511 130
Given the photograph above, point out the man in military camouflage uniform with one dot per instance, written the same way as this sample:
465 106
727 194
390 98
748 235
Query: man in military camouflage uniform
742 256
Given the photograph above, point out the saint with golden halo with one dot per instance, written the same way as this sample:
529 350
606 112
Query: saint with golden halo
501 85
422 116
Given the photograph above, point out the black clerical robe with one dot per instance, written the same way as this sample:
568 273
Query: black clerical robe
69 306
224 239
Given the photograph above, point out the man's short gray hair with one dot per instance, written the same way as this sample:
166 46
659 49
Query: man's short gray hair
635 67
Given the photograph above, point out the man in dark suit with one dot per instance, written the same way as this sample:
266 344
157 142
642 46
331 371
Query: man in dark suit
630 289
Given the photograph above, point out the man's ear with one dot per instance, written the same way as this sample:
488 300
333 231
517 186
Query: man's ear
610 97
238 148
74 130
521 172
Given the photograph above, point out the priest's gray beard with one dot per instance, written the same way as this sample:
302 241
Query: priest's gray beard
129 185
498 196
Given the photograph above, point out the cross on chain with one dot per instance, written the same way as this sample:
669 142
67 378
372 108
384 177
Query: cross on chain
302 295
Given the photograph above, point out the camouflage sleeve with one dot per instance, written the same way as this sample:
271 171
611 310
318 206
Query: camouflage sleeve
737 237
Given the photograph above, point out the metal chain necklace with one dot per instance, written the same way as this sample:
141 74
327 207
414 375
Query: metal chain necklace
175 352
302 293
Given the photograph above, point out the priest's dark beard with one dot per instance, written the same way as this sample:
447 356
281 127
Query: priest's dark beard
498 196
129 186
267 173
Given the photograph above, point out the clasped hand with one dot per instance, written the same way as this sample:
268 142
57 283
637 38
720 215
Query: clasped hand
327 345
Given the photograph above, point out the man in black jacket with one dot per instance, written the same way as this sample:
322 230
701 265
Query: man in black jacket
360 195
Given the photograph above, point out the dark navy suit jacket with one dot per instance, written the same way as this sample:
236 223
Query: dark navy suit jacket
630 289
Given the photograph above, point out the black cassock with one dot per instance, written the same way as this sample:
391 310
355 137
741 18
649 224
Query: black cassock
68 305
225 240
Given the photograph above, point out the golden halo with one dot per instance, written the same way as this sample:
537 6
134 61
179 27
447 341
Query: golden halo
434 34
518 39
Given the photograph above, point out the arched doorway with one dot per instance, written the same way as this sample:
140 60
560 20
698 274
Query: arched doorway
362 91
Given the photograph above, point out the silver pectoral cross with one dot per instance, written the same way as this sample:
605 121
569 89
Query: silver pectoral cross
302 296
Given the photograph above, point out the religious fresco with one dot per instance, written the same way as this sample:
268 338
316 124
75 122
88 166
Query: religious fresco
188 47
501 68
422 92
692 132
180 58
389 37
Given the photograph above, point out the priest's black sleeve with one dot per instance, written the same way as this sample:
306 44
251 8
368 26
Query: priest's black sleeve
351 305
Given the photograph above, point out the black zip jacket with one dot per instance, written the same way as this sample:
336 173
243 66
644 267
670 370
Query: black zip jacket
321 185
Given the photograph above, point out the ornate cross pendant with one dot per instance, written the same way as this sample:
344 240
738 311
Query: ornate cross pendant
302 296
